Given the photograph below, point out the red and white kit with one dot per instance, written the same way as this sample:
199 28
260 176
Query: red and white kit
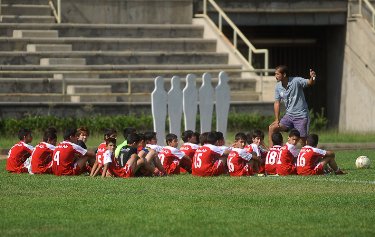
64 157
272 159
308 161
288 155
189 149
238 162
114 169
41 158
17 157
170 159
206 161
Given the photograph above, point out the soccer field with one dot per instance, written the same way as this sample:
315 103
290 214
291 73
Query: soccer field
330 205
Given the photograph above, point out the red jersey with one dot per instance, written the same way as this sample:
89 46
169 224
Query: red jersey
41 158
114 168
189 149
308 158
204 160
64 157
238 162
271 159
17 156
170 159
100 152
253 148
286 164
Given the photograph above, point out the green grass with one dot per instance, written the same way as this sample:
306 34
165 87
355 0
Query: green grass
189 206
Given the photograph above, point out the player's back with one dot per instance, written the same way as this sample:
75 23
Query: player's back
41 158
100 153
17 155
189 149
64 157
307 159
286 164
272 159
238 162
204 159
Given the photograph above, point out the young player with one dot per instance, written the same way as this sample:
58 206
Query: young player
98 165
83 134
133 162
125 133
209 160
239 160
150 150
41 158
254 140
171 158
68 157
18 155
288 155
273 154
312 160
189 147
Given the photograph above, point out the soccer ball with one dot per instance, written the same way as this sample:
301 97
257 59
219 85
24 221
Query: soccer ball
362 162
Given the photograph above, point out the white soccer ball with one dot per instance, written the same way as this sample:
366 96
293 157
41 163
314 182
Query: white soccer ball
363 162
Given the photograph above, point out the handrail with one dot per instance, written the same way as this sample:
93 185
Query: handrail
56 13
236 33
369 7
1 17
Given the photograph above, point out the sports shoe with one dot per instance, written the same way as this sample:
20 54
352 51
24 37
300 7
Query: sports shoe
339 172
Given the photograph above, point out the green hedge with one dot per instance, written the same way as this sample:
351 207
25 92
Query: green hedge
236 122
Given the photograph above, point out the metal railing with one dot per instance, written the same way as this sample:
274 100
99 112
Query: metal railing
1 17
364 9
56 11
236 34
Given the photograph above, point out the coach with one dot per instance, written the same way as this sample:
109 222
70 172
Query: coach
290 91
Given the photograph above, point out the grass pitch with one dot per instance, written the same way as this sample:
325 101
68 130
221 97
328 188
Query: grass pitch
45 205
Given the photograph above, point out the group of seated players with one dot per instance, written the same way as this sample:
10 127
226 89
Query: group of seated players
139 155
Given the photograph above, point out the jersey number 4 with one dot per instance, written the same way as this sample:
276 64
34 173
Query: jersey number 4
56 158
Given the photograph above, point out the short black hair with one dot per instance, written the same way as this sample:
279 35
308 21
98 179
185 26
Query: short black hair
219 135
186 135
69 132
108 132
240 136
197 135
257 133
211 138
23 132
294 133
170 137
133 138
312 140
127 131
49 135
149 135
203 138
283 69
277 138
110 140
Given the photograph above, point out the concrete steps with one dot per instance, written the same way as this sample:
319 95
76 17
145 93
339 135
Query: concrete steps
113 58
27 19
109 30
48 47
26 9
115 44
35 34
62 61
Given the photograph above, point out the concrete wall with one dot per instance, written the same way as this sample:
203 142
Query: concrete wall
357 110
127 11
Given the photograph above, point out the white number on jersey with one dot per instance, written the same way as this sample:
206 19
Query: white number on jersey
271 157
279 158
56 158
161 157
198 160
301 160
230 164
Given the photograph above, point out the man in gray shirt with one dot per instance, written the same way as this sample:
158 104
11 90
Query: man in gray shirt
290 91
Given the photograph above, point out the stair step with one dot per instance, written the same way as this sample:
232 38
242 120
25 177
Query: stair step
92 98
25 9
17 2
35 34
48 47
27 19
93 89
60 76
62 61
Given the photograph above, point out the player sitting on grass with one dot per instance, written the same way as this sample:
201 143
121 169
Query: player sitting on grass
172 158
209 159
239 160
98 166
125 133
190 145
273 154
68 157
254 140
288 155
41 158
312 160
132 161
18 155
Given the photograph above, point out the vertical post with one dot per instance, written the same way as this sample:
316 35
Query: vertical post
58 11
360 7
1 18
235 39
205 7
373 20
220 22
266 62
261 87
250 56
